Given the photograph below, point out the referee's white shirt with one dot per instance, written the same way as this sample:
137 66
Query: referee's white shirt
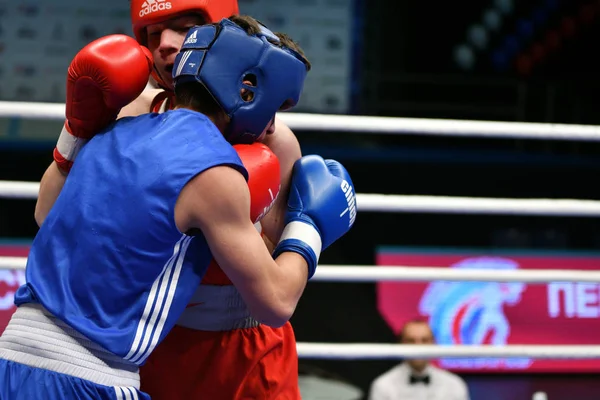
395 385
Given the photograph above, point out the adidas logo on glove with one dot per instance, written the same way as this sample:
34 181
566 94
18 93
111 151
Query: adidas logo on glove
351 200
150 6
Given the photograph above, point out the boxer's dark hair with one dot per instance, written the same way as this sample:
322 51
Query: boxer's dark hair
195 96
252 27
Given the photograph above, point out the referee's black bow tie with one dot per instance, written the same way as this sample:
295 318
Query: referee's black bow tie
422 379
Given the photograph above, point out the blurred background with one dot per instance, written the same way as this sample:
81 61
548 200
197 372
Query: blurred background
503 60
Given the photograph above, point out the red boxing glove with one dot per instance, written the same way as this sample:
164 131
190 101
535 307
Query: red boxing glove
264 183
104 76
264 179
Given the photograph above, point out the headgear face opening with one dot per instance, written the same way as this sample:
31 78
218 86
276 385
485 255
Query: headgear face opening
145 13
221 56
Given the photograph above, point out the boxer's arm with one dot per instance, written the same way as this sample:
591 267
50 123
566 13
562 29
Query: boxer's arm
270 245
103 77
270 288
54 179
50 186
284 144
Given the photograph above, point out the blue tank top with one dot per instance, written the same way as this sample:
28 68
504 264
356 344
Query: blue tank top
109 260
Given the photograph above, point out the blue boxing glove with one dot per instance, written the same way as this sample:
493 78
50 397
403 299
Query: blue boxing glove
321 209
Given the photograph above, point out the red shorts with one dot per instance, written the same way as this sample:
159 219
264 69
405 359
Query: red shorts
253 363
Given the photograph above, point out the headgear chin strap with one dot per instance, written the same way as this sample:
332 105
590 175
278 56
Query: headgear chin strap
222 56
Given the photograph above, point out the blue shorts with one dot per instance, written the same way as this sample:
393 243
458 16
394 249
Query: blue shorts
22 382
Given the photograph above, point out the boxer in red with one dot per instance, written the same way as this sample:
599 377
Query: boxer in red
241 358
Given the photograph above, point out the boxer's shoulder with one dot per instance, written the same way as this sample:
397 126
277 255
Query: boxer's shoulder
283 142
142 104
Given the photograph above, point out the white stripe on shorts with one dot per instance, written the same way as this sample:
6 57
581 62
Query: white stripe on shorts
126 393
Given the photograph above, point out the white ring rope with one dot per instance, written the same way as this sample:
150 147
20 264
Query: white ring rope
19 190
367 125
356 351
353 351
356 273
13 262
414 204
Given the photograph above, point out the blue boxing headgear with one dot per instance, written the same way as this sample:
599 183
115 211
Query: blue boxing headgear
221 56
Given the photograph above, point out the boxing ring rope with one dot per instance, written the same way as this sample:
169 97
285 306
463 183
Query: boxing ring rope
368 351
371 125
13 263
19 190
356 351
357 273
403 203
413 203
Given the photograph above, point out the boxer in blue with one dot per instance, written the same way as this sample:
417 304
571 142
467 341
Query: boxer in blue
167 187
